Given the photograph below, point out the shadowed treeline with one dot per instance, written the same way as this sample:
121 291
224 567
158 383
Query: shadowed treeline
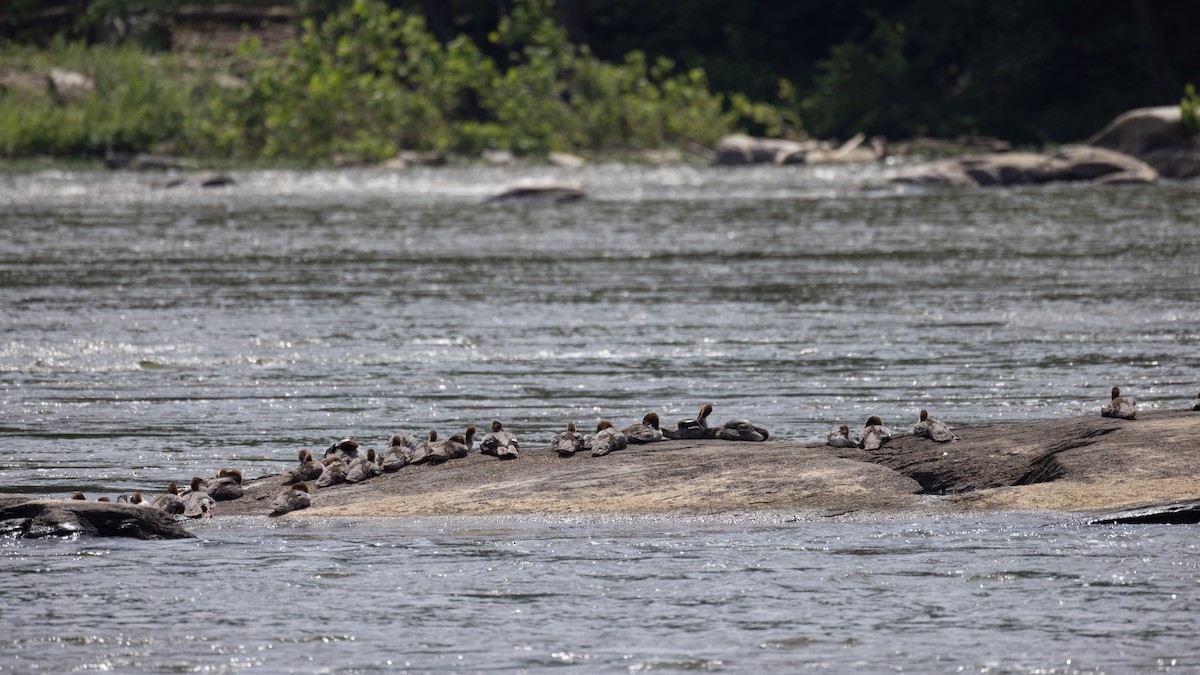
1026 71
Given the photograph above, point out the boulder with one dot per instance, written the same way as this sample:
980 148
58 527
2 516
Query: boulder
566 160
68 85
67 517
1157 137
1069 163
740 149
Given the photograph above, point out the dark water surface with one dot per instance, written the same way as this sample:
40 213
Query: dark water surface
147 335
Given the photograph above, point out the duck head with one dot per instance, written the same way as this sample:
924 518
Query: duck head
1116 392
602 425
497 426
924 415
651 420
874 420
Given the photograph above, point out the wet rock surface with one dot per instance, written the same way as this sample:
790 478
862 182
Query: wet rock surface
37 518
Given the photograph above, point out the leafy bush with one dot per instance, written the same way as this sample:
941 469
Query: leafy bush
1189 109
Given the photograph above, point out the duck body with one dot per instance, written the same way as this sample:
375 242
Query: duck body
308 470
294 498
1120 406
693 428
362 468
196 502
607 439
567 443
345 449
927 427
335 472
741 430
396 457
169 502
455 447
840 438
226 486
499 443
874 434
420 454
647 431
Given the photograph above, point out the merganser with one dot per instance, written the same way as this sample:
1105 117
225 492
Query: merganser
346 449
840 437
645 432
170 502
226 486
499 443
420 454
334 473
197 503
309 469
292 499
567 443
1119 407
362 468
607 439
874 434
927 427
697 428
741 430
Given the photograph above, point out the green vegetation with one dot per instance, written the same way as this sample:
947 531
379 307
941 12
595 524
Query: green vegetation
369 81
1189 109
360 79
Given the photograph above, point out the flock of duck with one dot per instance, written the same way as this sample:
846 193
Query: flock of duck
347 462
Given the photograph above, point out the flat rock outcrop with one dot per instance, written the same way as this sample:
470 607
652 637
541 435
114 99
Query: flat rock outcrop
1069 163
1082 464
67 517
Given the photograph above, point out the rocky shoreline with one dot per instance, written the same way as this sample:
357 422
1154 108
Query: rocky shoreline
1082 464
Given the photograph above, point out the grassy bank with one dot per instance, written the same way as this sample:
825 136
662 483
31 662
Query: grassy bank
361 85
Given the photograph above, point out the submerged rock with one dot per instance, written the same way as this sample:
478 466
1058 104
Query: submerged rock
59 518
554 192
1174 513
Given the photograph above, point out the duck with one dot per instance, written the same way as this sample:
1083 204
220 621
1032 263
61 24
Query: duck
840 437
741 430
347 449
647 431
396 457
567 443
1120 406
1196 405
499 443
403 440
363 467
294 498
196 502
334 473
420 454
79 496
874 434
137 499
455 447
169 502
694 428
927 427
308 470
607 439
226 486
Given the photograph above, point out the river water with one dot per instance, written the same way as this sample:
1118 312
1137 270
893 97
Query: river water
149 334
